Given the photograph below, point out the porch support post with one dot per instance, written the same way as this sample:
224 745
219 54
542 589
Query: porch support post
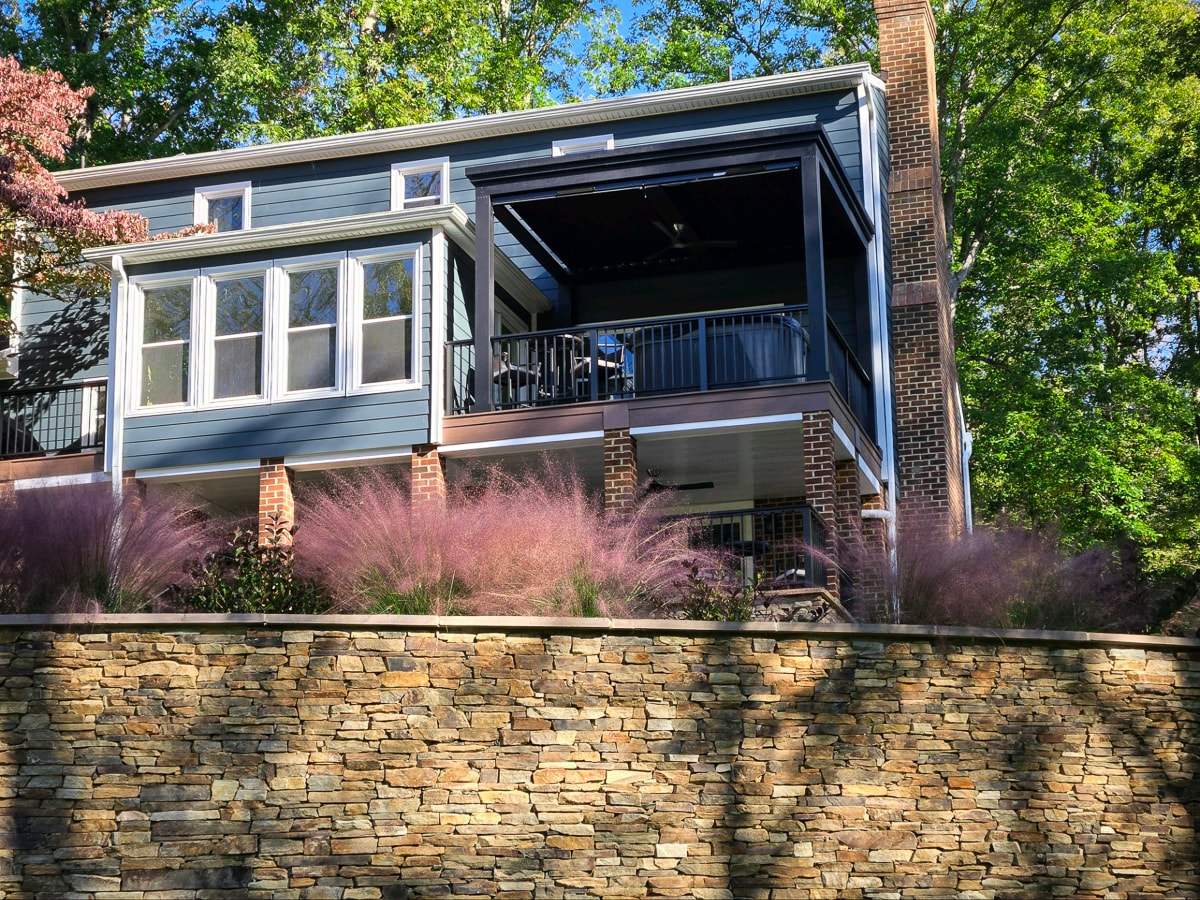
428 479
130 486
875 575
849 520
814 268
276 506
620 470
485 298
820 486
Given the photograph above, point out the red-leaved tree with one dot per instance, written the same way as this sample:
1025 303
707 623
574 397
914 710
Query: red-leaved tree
41 231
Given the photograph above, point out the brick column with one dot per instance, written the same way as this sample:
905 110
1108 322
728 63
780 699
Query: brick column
820 485
928 440
276 506
620 470
131 487
874 576
428 482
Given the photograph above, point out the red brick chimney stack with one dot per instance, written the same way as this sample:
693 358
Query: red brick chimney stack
928 437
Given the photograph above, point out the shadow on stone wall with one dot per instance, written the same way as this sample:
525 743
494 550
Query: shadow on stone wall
424 765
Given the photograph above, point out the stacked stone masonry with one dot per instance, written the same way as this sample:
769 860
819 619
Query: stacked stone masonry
350 759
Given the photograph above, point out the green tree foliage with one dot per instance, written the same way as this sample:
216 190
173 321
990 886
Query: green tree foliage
1069 155
1075 286
310 67
190 76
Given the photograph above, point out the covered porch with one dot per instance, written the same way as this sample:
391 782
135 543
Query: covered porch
672 268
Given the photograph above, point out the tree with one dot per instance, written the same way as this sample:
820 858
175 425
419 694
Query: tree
1070 170
149 67
41 232
307 68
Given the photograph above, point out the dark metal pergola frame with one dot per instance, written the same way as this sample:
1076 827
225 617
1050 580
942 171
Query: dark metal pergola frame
808 147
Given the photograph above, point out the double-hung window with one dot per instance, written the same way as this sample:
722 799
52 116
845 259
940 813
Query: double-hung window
164 359
238 306
225 206
418 184
385 295
313 295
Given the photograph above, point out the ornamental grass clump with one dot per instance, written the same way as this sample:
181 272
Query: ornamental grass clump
502 544
1002 576
84 550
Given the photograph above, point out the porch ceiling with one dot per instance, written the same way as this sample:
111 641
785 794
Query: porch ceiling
743 464
715 219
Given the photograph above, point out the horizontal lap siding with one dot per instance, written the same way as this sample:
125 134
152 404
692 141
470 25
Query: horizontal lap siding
329 425
358 185
61 342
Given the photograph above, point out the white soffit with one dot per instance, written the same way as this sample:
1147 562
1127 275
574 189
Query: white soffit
411 137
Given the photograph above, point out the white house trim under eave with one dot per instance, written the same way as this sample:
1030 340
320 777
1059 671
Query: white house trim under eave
450 217
412 137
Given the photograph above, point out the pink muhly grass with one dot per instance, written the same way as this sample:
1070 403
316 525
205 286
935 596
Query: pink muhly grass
504 544
85 550
995 577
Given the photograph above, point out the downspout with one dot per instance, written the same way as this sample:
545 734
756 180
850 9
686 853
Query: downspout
438 260
968 444
116 382
877 273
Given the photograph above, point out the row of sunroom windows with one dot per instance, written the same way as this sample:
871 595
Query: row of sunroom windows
287 328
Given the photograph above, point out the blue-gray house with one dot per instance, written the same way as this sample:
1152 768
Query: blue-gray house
690 288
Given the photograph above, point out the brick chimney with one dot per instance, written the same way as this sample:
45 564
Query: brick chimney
928 436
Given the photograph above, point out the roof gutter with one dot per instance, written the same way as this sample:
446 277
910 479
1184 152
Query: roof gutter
410 137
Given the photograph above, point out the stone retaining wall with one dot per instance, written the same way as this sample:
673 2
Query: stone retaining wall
211 757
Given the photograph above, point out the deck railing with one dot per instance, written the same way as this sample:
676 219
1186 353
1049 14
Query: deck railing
850 380
649 357
50 421
776 547
660 356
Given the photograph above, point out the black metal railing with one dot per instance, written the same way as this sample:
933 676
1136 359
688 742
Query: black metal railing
49 421
661 356
775 547
850 380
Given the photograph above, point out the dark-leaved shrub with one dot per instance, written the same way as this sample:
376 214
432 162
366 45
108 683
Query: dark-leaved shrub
245 576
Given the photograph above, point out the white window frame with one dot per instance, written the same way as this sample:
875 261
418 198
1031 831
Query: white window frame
356 320
134 381
282 301
399 170
201 386
591 143
217 191
207 318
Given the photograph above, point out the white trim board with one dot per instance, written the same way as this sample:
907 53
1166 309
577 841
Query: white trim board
54 481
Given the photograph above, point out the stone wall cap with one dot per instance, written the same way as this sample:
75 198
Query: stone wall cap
492 624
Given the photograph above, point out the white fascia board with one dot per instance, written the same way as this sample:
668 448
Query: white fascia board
411 137
192 473
450 217
55 481
484 448
700 428
321 462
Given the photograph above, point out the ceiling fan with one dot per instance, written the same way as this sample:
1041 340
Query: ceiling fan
654 486
679 233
